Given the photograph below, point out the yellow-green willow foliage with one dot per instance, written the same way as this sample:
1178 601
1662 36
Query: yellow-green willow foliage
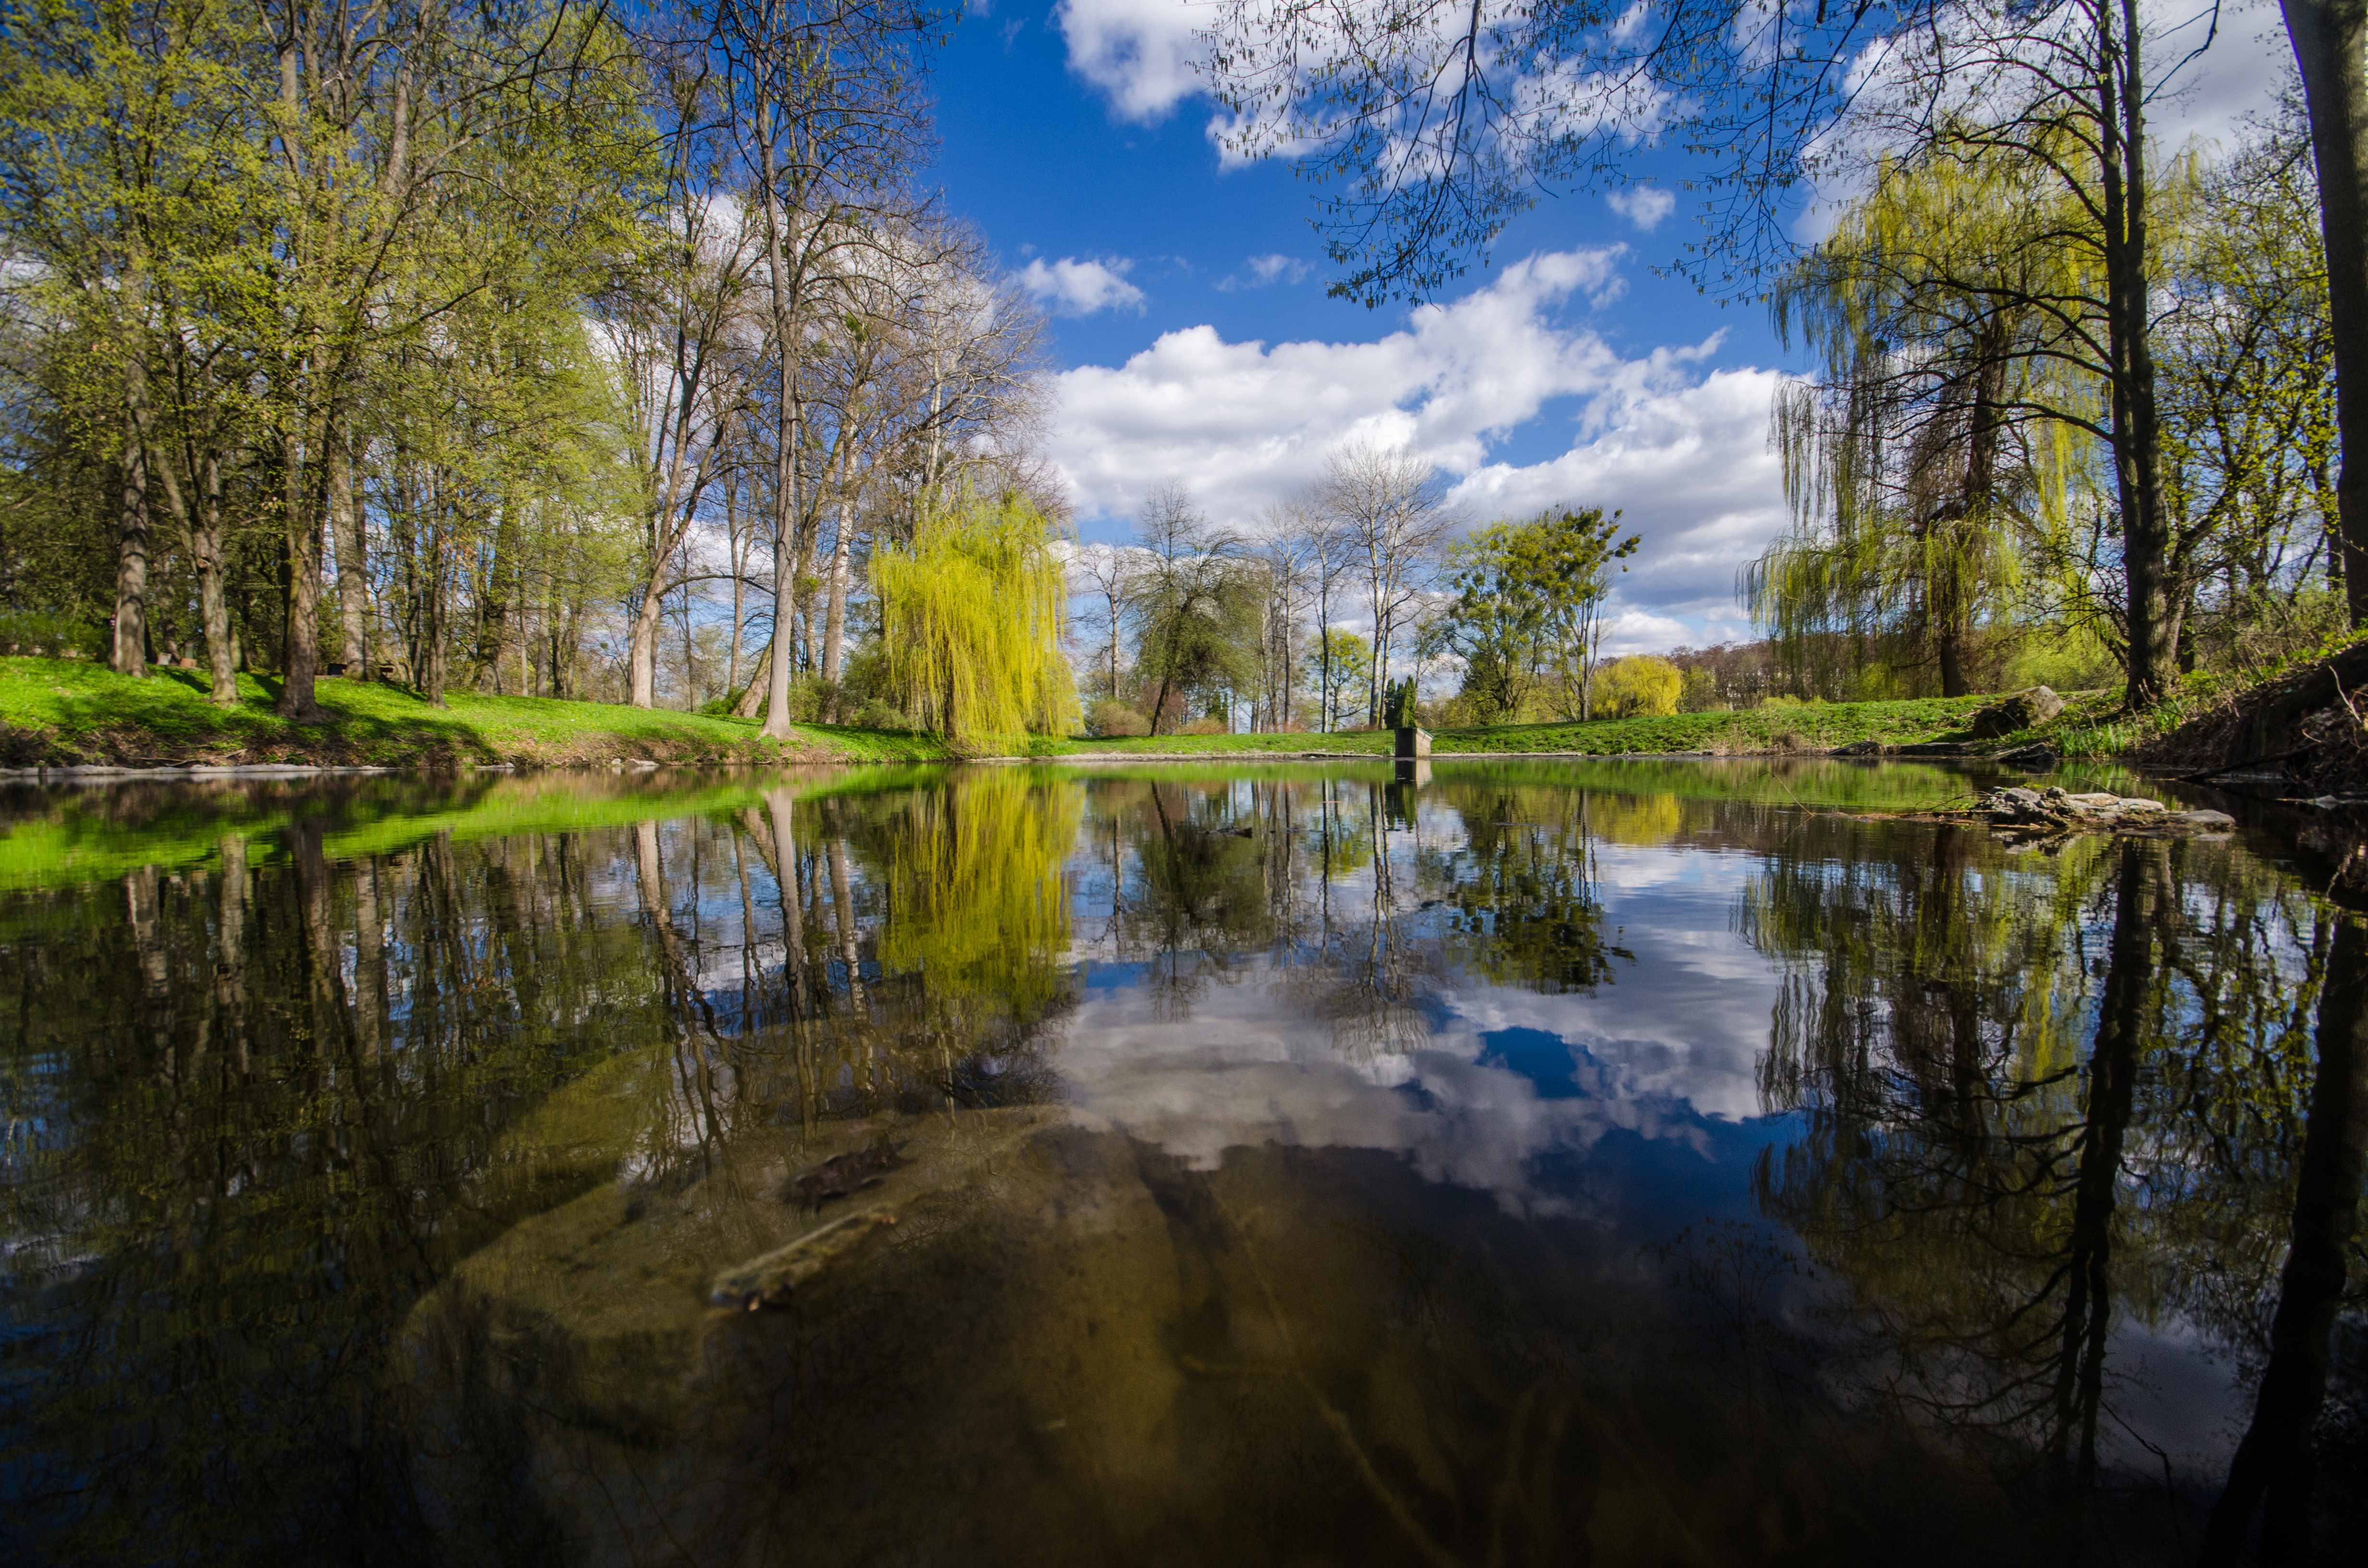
976 899
970 614
1949 311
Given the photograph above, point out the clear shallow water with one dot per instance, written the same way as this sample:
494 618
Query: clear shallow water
1524 1164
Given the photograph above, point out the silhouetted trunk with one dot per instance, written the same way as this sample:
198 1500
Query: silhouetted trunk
2113 1074
2329 37
2275 1456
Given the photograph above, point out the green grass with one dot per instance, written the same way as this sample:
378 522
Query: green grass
61 711
1810 727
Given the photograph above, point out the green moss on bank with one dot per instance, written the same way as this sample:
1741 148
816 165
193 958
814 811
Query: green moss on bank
62 712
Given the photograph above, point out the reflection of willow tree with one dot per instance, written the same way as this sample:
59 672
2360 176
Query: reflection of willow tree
2022 1096
923 938
256 1145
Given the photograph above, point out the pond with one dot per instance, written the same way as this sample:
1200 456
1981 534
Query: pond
1482 1162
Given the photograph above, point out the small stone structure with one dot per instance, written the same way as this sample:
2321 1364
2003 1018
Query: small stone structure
1413 741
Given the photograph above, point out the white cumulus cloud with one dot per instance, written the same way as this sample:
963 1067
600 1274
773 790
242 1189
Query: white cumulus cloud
1071 287
1682 450
1644 205
1140 54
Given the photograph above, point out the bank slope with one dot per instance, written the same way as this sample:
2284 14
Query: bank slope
58 712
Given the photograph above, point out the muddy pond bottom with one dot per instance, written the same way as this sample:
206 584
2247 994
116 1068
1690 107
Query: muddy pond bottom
1484 1164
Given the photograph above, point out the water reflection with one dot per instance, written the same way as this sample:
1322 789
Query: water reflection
1511 1165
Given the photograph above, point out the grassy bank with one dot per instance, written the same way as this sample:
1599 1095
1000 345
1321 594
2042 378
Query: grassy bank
62 711
1814 727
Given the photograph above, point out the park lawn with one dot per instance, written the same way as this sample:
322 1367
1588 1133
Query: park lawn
1818 726
64 712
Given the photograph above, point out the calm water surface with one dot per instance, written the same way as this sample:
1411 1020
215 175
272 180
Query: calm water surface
1543 1164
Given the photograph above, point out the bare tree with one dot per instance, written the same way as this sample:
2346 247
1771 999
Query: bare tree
1108 572
1387 504
1289 554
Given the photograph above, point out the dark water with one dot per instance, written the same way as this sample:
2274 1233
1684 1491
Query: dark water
1641 1164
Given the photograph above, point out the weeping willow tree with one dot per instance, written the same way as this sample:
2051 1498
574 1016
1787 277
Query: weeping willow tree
970 615
1912 463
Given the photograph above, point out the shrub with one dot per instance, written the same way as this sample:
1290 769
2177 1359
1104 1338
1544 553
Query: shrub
53 634
1636 687
1111 717
1206 727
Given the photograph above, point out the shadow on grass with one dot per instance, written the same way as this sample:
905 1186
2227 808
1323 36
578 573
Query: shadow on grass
153 727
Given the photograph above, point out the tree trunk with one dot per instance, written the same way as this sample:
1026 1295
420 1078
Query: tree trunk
2275 1456
301 655
641 654
345 519
2329 37
130 653
2137 452
785 448
213 603
835 623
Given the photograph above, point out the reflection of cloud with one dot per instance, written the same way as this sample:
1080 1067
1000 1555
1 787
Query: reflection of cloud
1243 1071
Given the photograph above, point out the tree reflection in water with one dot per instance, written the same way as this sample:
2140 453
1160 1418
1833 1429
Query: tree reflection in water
2050 1102
371 1148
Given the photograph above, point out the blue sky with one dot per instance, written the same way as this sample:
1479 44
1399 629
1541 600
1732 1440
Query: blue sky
1198 344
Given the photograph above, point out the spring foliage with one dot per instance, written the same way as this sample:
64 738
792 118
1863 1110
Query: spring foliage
970 615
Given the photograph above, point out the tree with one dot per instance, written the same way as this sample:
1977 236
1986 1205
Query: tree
1639 686
1495 624
1929 309
1189 597
1340 665
1393 522
2331 45
825 92
970 619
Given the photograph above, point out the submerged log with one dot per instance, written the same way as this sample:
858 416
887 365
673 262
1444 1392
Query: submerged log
771 1279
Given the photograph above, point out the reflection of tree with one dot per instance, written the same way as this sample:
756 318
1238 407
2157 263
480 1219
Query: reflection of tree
1521 891
2018 1100
2275 1459
1357 910
255 1155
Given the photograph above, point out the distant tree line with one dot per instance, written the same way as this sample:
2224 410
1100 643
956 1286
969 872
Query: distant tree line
1307 617
529 347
